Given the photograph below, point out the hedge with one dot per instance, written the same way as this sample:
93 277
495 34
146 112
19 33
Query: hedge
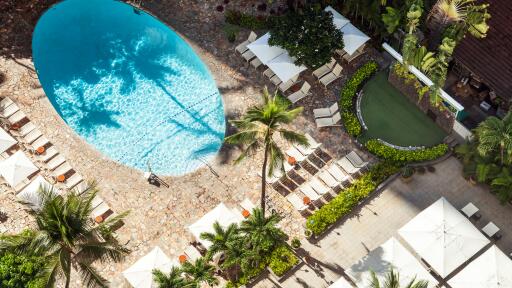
282 260
248 21
348 93
344 202
405 156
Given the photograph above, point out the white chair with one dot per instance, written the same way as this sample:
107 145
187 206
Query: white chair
293 152
242 47
48 154
356 160
32 136
303 92
55 162
328 179
326 112
319 187
5 102
341 52
276 80
7 111
297 202
312 142
248 55
347 57
192 253
338 174
331 76
73 180
346 165
325 122
24 130
268 73
16 117
256 62
318 73
284 86
62 169
307 190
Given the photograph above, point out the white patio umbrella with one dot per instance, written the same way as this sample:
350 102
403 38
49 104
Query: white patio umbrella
338 19
17 168
353 38
390 255
220 214
263 50
443 237
341 283
492 269
30 194
140 275
6 141
284 67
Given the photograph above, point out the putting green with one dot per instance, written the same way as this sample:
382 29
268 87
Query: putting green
392 117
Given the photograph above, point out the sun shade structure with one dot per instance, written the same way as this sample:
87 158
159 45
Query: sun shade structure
390 255
284 67
263 50
338 20
220 214
492 269
17 168
353 38
6 141
341 283
443 237
30 194
139 275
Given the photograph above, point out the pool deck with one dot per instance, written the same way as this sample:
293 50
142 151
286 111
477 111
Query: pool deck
159 216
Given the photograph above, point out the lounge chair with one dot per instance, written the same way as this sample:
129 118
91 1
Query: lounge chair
324 122
297 202
81 187
307 190
278 173
347 57
16 117
303 92
276 80
306 151
9 110
326 112
55 162
248 55
269 73
5 102
256 62
96 201
312 141
192 253
103 211
341 52
331 76
283 87
242 47
356 160
328 179
32 136
326 68
48 154
247 205
24 130
293 152
40 142
319 187
62 169
346 165
73 180
338 174
287 166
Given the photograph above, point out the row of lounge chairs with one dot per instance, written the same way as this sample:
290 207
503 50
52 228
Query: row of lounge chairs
329 72
51 163
329 116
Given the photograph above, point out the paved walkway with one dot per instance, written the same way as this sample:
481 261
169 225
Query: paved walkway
390 210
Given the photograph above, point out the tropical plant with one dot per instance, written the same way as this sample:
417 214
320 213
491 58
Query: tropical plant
502 185
310 37
66 236
220 238
262 232
258 127
393 281
391 19
282 260
386 152
199 272
171 280
21 270
439 69
495 134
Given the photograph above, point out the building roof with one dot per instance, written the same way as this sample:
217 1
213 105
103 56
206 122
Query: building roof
491 58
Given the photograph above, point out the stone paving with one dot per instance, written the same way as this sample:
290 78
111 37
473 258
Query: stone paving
159 216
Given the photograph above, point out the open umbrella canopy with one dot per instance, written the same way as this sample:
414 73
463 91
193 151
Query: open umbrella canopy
31 194
17 168
263 50
492 269
338 19
353 38
443 237
220 214
6 141
390 255
284 67
140 274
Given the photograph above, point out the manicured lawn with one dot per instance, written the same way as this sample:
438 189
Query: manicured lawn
391 117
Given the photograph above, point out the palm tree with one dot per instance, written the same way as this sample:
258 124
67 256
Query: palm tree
239 257
257 128
67 237
220 238
502 185
262 232
171 280
393 281
200 271
494 134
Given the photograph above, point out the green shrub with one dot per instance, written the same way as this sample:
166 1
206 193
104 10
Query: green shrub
405 156
407 171
344 202
348 92
231 32
282 260
21 271
248 21
295 243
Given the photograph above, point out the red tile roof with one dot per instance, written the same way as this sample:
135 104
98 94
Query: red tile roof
491 58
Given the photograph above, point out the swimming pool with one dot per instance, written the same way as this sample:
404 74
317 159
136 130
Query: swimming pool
129 85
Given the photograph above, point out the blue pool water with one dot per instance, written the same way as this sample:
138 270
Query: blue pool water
128 85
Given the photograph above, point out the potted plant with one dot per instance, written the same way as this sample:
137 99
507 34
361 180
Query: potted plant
295 243
308 233
407 173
